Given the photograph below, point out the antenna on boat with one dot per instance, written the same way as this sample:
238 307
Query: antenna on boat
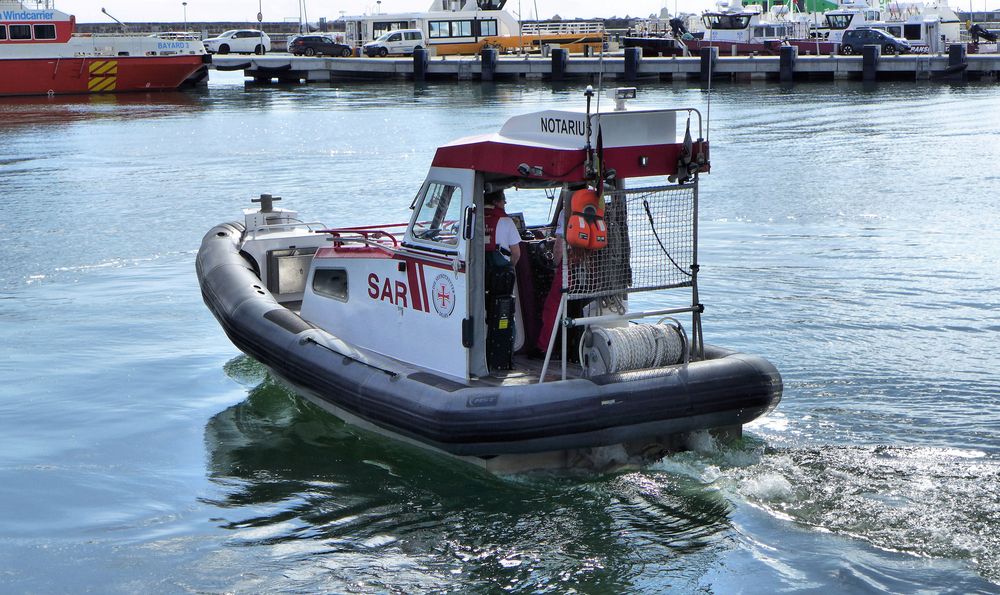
124 27
587 147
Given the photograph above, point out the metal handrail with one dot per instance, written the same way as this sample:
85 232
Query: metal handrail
612 318
278 226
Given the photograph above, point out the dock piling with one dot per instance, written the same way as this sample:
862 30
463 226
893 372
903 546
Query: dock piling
559 58
786 69
709 61
632 58
419 64
958 62
870 55
488 63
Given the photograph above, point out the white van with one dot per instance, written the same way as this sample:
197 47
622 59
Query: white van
401 41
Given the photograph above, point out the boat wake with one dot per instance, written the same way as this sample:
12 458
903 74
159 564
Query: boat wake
926 502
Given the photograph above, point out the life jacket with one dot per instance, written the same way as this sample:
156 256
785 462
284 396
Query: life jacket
587 228
490 222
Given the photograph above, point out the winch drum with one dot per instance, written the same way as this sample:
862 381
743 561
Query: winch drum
634 347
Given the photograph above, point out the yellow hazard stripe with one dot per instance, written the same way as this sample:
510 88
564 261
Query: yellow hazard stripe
104 67
98 85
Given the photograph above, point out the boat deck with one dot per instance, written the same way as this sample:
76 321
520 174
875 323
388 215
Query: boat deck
527 370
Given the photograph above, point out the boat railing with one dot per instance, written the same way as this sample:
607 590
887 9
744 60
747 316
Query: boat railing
365 235
562 27
313 226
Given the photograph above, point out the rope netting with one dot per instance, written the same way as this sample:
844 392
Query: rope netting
651 244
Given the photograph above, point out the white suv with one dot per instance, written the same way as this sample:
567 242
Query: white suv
243 41
402 41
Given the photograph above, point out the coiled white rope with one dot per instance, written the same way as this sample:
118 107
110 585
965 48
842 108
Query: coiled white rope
639 346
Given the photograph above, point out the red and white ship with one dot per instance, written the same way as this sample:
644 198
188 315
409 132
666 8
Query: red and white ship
41 55
425 332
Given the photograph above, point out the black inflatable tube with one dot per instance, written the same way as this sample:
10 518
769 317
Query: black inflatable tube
727 389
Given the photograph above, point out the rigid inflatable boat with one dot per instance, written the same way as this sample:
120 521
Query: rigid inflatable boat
575 351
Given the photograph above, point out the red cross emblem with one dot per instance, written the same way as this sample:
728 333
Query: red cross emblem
444 295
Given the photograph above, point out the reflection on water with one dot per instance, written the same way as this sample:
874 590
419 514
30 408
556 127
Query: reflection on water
848 234
289 473
294 478
62 109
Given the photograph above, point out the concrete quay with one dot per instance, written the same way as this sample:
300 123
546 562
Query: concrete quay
871 65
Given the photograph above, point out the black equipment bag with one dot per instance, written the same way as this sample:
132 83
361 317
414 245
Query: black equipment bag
499 313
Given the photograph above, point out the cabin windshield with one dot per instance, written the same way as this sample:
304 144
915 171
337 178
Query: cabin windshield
726 21
536 205
438 219
839 21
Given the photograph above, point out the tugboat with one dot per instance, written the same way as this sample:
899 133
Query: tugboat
573 354
41 55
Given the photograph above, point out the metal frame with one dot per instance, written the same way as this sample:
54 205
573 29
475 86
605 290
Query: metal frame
697 346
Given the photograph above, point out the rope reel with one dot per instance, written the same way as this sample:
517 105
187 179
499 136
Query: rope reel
607 350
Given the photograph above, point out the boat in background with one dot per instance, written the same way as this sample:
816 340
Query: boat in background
40 54
927 27
735 29
466 27
743 30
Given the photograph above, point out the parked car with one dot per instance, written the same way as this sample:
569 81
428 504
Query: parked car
239 41
855 39
318 45
402 41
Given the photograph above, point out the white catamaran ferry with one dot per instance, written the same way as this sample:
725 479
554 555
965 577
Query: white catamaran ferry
465 27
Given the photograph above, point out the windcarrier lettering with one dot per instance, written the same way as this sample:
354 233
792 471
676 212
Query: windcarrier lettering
10 15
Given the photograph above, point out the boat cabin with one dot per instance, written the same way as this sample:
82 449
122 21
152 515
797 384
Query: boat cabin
424 292
20 26
735 23
465 27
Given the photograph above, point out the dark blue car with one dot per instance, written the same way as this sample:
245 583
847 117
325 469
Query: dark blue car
855 39
318 45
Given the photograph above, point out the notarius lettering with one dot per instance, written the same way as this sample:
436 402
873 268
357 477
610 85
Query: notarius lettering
560 126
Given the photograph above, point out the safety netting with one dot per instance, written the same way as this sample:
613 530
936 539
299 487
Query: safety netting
650 244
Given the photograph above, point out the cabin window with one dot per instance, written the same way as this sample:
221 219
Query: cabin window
382 27
3 31
838 21
438 29
45 31
438 219
488 28
451 28
912 32
20 31
331 283
726 21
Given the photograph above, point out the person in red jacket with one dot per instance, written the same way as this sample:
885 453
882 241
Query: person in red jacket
503 250
501 233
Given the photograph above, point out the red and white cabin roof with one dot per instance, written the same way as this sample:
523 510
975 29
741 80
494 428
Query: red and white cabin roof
553 142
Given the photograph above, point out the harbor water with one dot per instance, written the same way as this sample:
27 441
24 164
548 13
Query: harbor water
848 233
